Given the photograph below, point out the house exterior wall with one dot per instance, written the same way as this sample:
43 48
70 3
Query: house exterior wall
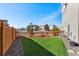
70 19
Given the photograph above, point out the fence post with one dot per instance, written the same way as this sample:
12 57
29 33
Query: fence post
12 35
1 39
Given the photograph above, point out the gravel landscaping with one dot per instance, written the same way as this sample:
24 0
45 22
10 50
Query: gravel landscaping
16 49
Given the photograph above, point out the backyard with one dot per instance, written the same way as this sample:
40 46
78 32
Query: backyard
46 46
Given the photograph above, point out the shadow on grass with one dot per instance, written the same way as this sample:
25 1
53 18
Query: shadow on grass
31 48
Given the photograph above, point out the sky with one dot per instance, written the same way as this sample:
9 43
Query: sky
21 14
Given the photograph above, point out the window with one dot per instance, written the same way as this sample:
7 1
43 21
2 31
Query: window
68 28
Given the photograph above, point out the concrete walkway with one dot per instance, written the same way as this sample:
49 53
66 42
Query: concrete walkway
72 50
16 49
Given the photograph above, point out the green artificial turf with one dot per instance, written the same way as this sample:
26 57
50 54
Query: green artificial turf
44 47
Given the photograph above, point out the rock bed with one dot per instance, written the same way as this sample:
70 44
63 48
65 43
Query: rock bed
16 49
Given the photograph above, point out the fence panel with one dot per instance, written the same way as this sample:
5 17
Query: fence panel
7 38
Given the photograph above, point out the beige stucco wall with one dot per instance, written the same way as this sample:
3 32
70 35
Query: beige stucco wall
70 16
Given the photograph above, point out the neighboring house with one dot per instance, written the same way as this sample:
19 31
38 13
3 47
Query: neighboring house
5 21
70 21
21 30
41 28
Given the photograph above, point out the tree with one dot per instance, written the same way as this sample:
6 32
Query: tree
55 28
30 29
46 27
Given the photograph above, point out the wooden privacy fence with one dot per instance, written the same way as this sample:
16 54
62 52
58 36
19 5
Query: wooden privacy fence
7 37
40 33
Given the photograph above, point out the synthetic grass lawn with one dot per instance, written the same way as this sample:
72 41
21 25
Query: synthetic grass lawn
44 46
